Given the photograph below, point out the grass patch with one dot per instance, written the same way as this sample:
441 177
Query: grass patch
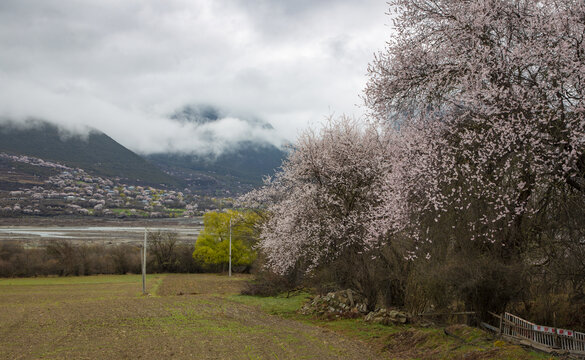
274 305
177 212
400 341
76 280
413 342
129 212
154 289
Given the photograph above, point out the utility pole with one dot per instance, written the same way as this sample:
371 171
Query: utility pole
230 267
144 263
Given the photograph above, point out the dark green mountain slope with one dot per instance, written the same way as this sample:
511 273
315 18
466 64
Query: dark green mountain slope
234 170
97 153
238 170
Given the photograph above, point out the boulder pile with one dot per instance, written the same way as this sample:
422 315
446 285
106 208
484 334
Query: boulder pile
387 317
340 303
347 303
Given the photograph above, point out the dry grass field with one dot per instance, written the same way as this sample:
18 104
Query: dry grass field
202 316
185 316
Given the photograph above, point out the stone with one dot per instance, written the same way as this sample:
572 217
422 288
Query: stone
341 303
387 317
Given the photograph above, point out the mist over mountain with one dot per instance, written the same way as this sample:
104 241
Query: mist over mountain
240 164
215 132
205 114
93 151
197 115
236 166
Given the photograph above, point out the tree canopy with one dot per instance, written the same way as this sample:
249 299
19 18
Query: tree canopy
495 88
212 246
472 156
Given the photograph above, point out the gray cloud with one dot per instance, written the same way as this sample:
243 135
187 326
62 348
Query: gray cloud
124 66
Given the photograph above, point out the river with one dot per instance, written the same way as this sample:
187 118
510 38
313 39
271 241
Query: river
35 235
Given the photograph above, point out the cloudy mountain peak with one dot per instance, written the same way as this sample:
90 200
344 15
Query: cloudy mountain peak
197 114
205 114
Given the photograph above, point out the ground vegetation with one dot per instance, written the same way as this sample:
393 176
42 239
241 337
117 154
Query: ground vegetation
202 316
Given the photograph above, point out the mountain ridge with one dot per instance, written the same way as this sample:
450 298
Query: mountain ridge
237 169
234 171
94 152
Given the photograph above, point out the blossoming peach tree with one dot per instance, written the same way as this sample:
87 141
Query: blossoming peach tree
477 125
488 97
320 200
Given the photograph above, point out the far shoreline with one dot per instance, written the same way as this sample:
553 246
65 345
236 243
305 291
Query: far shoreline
97 221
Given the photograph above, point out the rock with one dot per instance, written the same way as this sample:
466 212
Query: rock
344 303
387 317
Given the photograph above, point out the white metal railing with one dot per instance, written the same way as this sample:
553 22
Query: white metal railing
551 337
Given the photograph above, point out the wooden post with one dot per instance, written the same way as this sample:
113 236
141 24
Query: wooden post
501 324
230 266
144 264
556 344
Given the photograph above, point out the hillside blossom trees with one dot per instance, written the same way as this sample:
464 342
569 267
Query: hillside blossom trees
489 99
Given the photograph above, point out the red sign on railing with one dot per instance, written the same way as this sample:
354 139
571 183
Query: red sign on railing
551 330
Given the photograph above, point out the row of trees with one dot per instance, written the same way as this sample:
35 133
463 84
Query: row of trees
65 258
465 187
210 253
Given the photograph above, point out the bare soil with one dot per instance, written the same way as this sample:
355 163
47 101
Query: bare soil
186 316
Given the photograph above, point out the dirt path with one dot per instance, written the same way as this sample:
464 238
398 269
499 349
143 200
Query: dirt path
191 317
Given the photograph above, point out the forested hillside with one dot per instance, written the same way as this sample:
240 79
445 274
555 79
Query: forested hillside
95 152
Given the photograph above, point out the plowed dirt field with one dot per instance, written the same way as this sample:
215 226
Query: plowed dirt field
184 317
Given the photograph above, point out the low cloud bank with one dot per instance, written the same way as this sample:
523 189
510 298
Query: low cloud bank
125 67
204 131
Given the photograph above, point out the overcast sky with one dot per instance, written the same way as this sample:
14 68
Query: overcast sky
125 67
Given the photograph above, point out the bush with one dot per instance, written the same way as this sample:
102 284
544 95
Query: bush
64 258
462 282
269 283
162 247
378 275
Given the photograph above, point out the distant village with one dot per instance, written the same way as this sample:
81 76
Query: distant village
73 191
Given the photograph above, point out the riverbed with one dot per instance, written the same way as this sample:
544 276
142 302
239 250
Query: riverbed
104 232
